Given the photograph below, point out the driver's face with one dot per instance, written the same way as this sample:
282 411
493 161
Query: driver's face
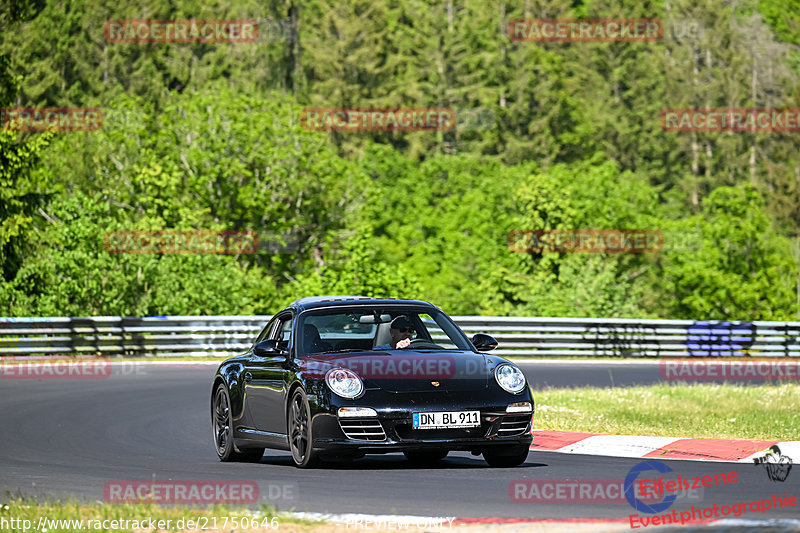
405 332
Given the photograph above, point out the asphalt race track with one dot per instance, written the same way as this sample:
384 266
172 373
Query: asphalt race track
69 437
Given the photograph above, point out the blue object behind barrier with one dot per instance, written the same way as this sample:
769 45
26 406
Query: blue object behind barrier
710 338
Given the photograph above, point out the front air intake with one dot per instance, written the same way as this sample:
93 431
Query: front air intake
514 425
362 429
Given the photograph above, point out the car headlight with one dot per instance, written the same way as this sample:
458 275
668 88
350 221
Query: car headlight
344 382
510 378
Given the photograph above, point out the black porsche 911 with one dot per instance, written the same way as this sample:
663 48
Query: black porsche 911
344 376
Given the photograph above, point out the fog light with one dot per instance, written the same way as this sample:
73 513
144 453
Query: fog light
519 407
345 412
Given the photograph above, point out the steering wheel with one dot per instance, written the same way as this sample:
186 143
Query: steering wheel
418 342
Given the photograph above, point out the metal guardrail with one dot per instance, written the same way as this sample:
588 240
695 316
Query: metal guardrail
113 335
517 336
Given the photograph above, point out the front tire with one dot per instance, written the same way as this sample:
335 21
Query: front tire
300 438
222 428
506 456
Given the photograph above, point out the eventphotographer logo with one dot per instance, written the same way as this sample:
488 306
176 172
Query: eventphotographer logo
777 465
638 503
694 514
697 514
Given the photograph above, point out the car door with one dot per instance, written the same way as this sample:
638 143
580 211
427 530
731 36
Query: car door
265 383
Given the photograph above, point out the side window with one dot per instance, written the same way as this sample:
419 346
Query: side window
437 334
284 330
264 332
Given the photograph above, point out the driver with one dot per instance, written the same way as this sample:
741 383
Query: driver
401 332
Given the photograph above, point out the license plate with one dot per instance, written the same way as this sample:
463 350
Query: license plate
447 419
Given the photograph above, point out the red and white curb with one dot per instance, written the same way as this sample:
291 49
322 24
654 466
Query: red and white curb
729 451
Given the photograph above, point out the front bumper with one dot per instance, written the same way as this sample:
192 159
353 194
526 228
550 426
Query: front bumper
392 430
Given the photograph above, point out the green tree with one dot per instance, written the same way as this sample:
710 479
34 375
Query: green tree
356 269
22 188
742 271
590 195
205 161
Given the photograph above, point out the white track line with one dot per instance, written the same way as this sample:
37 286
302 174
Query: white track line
618 445
369 521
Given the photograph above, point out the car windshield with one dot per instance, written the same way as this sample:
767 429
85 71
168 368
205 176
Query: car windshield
364 329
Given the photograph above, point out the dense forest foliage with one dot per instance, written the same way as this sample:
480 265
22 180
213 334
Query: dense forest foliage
549 135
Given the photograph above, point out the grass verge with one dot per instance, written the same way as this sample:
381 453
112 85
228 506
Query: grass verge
764 412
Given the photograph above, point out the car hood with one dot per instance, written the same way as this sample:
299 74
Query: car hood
408 370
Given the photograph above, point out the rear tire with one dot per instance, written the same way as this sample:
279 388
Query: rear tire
506 456
425 457
222 429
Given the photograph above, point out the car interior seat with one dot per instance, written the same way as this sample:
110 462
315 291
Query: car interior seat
383 336
312 341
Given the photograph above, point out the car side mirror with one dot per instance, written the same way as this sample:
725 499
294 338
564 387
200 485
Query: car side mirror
270 347
483 342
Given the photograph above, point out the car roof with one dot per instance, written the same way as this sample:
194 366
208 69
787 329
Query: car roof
315 302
